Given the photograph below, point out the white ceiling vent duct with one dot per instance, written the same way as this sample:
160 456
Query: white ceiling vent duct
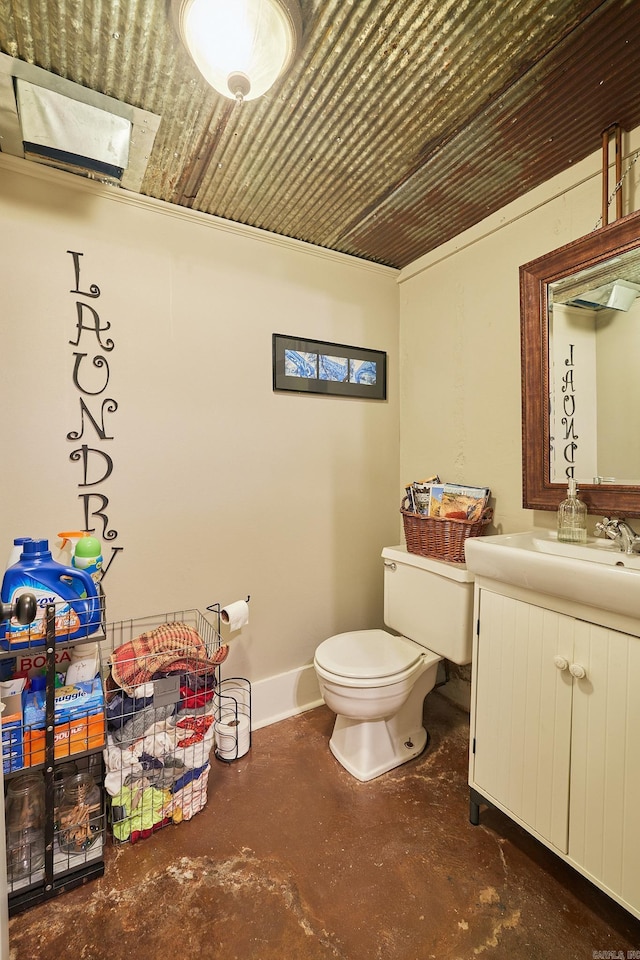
54 121
72 135
619 295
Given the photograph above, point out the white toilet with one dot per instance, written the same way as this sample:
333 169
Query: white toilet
376 682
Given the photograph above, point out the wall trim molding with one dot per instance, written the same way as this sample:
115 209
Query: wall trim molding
60 178
284 695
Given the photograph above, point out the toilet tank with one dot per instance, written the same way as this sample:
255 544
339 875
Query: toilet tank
430 601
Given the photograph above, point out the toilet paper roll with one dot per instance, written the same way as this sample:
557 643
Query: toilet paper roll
233 736
235 614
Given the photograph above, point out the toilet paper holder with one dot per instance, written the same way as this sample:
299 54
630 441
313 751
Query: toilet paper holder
232 727
232 710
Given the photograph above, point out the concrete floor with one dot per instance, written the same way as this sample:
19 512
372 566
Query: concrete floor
293 859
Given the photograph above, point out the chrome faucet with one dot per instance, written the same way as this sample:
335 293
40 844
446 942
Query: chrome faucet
621 532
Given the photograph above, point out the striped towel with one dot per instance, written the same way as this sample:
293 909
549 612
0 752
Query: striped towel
170 648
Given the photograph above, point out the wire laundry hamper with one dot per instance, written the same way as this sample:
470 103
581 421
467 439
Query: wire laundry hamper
162 702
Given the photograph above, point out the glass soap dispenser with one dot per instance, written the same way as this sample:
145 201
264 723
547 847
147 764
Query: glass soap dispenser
572 517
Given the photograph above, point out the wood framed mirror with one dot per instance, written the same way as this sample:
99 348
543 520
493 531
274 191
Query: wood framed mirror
579 312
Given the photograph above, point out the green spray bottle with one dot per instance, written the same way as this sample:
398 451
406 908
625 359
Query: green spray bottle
87 556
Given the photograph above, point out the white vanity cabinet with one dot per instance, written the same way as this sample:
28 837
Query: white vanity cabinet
555 729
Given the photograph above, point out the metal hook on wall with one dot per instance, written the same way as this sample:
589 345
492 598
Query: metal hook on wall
614 130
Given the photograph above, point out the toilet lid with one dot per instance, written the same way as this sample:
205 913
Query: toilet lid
367 654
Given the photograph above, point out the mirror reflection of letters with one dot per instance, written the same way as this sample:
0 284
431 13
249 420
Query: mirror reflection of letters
594 378
580 332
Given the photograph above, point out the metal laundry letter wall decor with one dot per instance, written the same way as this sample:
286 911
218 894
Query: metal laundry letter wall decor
96 463
568 419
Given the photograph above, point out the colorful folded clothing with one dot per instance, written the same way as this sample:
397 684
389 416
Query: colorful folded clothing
190 799
122 708
140 723
191 699
137 810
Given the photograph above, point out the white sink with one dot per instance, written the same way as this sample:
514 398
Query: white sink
594 550
596 573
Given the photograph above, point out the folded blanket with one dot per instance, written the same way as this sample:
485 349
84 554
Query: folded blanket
170 648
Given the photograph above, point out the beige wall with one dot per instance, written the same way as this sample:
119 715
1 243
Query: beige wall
220 487
460 339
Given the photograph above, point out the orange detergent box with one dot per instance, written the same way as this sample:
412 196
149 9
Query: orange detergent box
75 736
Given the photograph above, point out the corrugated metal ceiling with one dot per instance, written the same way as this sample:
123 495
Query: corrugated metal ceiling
401 123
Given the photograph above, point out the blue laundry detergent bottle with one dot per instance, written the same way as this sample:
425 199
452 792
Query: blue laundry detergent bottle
36 572
16 550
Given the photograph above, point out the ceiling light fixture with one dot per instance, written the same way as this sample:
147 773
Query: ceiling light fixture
240 47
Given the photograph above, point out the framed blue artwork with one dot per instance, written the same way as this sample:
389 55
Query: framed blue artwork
317 366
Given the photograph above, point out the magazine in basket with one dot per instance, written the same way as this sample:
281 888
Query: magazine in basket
452 501
460 502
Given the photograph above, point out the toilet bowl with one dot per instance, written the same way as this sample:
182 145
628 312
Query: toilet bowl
376 682
379 710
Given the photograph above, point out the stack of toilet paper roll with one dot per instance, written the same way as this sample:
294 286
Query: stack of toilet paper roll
233 726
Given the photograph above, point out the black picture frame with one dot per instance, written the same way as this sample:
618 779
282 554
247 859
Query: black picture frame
301 365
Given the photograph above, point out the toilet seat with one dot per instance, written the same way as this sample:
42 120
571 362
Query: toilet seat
368 655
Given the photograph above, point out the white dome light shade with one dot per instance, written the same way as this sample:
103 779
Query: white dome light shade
241 47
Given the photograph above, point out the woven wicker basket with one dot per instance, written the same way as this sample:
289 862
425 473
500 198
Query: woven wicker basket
439 537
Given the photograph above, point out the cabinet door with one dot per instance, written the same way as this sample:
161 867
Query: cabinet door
604 835
522 727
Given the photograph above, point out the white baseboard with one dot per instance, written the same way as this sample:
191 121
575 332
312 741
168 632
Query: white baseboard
284 695
294 692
